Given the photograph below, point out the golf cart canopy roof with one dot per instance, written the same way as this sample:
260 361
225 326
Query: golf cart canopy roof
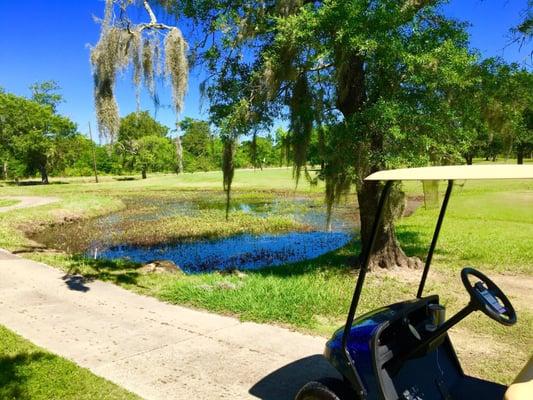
455 172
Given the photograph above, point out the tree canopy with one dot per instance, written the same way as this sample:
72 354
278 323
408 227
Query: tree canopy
364 85
31 133
143 143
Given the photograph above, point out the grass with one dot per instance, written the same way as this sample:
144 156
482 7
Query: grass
8 202
29 372
489 226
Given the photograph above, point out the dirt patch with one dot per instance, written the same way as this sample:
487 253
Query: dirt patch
516 287
412 204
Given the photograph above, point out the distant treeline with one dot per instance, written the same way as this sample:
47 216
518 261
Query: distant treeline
36 141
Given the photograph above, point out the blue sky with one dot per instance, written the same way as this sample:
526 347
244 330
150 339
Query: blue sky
48 39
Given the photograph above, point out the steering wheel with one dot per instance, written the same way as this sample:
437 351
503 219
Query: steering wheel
488 298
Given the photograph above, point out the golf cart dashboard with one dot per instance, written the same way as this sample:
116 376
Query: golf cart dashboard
412 323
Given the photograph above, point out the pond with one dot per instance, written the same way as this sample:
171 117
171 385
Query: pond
243 252
107 236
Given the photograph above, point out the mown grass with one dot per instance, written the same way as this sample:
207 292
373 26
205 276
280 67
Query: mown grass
29 372
8 202
489 226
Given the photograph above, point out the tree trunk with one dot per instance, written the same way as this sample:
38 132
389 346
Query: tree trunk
4 170
469 159
351 90
520 154
387 252
179 155
143 172
44 174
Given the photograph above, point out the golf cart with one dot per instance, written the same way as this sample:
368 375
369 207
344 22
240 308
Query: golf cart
402 350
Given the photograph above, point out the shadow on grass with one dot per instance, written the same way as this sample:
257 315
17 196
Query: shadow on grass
35 183
343 259
84 270
13 382
413 244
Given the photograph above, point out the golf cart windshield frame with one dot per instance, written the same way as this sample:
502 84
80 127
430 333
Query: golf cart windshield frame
365 259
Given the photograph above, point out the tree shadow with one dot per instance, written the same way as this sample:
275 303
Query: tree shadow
84 269
345 259
284 383
413 244
14 373
35 183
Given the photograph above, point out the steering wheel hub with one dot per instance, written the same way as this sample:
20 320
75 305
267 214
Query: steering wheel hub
487 297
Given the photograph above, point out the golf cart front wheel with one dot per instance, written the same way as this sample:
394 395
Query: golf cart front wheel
325 389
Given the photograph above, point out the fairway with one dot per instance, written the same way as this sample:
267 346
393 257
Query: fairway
489 225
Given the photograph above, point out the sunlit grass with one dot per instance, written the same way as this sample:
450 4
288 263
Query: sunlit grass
483 227
29 372
8 202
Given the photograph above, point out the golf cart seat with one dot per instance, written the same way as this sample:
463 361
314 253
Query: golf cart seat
522 386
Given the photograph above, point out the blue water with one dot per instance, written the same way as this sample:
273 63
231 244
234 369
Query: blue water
244 252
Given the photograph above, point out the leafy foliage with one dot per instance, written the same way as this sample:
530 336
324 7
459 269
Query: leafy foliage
143 144
31 133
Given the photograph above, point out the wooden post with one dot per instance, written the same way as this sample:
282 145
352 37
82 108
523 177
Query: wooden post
94 154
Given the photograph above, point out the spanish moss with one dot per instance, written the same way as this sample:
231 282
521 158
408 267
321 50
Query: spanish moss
148 66
123 44
228 168
301 114
177 66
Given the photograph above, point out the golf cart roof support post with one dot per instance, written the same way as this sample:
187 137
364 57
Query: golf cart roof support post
435 238
359 286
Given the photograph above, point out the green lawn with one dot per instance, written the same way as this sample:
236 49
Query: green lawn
489 226
29 372
8 202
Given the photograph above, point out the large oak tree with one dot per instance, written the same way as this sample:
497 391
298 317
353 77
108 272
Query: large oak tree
373 77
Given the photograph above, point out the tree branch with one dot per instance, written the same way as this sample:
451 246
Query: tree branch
153 19
151 25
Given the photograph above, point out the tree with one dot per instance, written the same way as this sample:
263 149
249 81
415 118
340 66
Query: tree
523 32
198 145
31 131
139 139
46 93
283 146
372 77
154 153
138 124
508 99
259 152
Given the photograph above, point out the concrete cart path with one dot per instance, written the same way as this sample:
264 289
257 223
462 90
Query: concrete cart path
154 349
27 201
